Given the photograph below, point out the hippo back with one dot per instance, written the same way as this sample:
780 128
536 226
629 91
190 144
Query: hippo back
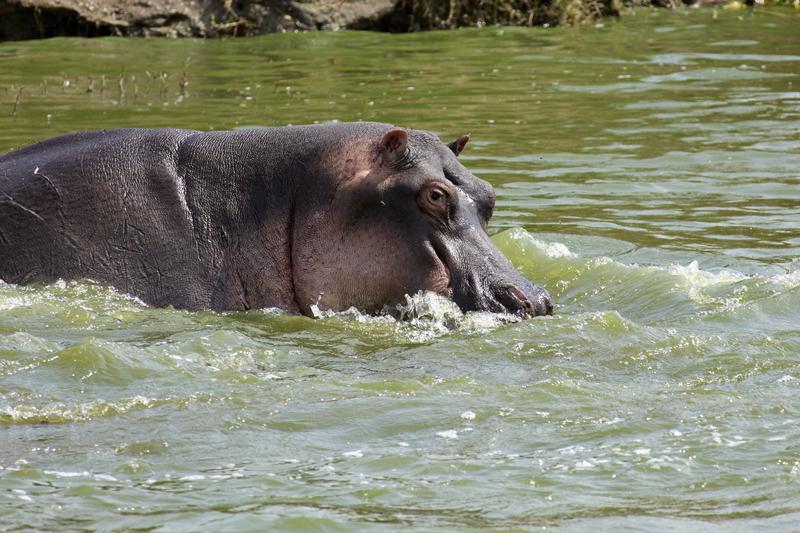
102 205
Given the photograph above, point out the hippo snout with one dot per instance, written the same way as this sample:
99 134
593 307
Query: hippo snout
526 300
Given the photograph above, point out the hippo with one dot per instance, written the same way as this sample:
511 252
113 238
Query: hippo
299 218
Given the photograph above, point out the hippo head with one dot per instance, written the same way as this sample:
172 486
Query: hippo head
404 216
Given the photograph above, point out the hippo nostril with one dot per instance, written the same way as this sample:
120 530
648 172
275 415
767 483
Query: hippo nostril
538 303
515 301
521 300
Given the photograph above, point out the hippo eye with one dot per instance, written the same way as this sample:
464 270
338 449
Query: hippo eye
437 197
434 200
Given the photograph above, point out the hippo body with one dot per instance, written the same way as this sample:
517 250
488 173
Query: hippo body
336 215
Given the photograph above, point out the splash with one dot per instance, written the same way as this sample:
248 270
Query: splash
428 306
422 317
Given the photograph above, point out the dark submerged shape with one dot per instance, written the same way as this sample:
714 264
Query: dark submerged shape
337 215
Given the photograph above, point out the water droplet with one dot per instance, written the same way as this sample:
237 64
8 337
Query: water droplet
448 434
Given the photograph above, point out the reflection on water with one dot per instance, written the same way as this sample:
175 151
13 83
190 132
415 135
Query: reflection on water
647 175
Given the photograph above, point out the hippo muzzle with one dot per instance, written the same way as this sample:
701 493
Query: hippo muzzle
483 279
526 300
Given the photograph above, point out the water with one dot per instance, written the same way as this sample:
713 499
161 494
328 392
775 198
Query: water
647 174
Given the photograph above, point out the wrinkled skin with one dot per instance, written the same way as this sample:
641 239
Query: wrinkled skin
336 215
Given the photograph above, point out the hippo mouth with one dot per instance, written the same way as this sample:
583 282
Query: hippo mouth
441 282
506 292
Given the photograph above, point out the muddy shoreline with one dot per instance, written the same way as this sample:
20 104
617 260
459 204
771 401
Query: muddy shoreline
34 19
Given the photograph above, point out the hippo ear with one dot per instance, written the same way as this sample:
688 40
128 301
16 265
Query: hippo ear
394 145
458 145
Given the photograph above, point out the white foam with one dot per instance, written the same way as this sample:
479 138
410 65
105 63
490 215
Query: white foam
701 278
66 474
789 280
356 454
192 477
447 434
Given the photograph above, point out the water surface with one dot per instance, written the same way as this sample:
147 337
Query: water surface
648 175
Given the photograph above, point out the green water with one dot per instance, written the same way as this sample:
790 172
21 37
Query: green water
648 174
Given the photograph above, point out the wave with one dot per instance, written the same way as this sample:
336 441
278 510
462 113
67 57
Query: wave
649 294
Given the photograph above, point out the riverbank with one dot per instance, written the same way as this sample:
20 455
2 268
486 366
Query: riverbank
34 19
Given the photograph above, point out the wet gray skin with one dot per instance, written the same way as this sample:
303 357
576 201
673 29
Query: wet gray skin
337 216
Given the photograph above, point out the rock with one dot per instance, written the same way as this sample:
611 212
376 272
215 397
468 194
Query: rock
31 19
355 14
27 19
